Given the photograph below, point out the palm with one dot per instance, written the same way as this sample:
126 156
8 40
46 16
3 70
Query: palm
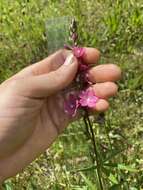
31 121
53 112
25 115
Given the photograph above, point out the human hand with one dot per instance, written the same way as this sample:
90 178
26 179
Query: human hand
31 105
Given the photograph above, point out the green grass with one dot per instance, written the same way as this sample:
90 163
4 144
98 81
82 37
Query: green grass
117 30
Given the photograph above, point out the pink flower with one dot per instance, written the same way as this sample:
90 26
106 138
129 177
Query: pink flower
83 67
67 47
71 105
88 98
78 52
74 36
86 79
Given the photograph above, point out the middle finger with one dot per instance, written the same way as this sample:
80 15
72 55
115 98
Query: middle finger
103 73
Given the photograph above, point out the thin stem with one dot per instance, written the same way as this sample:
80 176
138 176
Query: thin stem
95 149
88 134
86 125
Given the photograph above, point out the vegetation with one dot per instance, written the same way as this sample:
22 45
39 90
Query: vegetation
114 27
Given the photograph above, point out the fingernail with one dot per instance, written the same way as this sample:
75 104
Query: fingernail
69 60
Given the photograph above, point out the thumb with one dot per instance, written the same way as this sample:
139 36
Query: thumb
47 84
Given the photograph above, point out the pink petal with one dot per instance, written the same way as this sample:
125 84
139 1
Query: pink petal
71 105
74 36
86 78
83 67
90 92
91 101
83 102
88 98
67 47
81 94
78 52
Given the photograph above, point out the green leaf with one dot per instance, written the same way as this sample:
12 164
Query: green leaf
115 187
127 168
133 188
80 188
136 82
8 187
88 182
113 179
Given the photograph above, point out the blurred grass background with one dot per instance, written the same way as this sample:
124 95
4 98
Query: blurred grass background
116 29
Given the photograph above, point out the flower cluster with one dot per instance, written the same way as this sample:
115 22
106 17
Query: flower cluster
84 98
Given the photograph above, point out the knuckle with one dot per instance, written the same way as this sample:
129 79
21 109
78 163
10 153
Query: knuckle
62 52
59 77
13 84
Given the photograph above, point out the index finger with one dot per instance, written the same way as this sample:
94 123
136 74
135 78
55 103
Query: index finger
55 60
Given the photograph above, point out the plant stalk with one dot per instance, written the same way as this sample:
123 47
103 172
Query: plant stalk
93 139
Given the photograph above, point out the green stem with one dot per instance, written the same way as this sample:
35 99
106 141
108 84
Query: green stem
88 134
92 136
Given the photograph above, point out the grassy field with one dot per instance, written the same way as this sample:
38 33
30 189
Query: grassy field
116 29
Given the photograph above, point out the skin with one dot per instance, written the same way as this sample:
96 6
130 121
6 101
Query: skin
32 114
